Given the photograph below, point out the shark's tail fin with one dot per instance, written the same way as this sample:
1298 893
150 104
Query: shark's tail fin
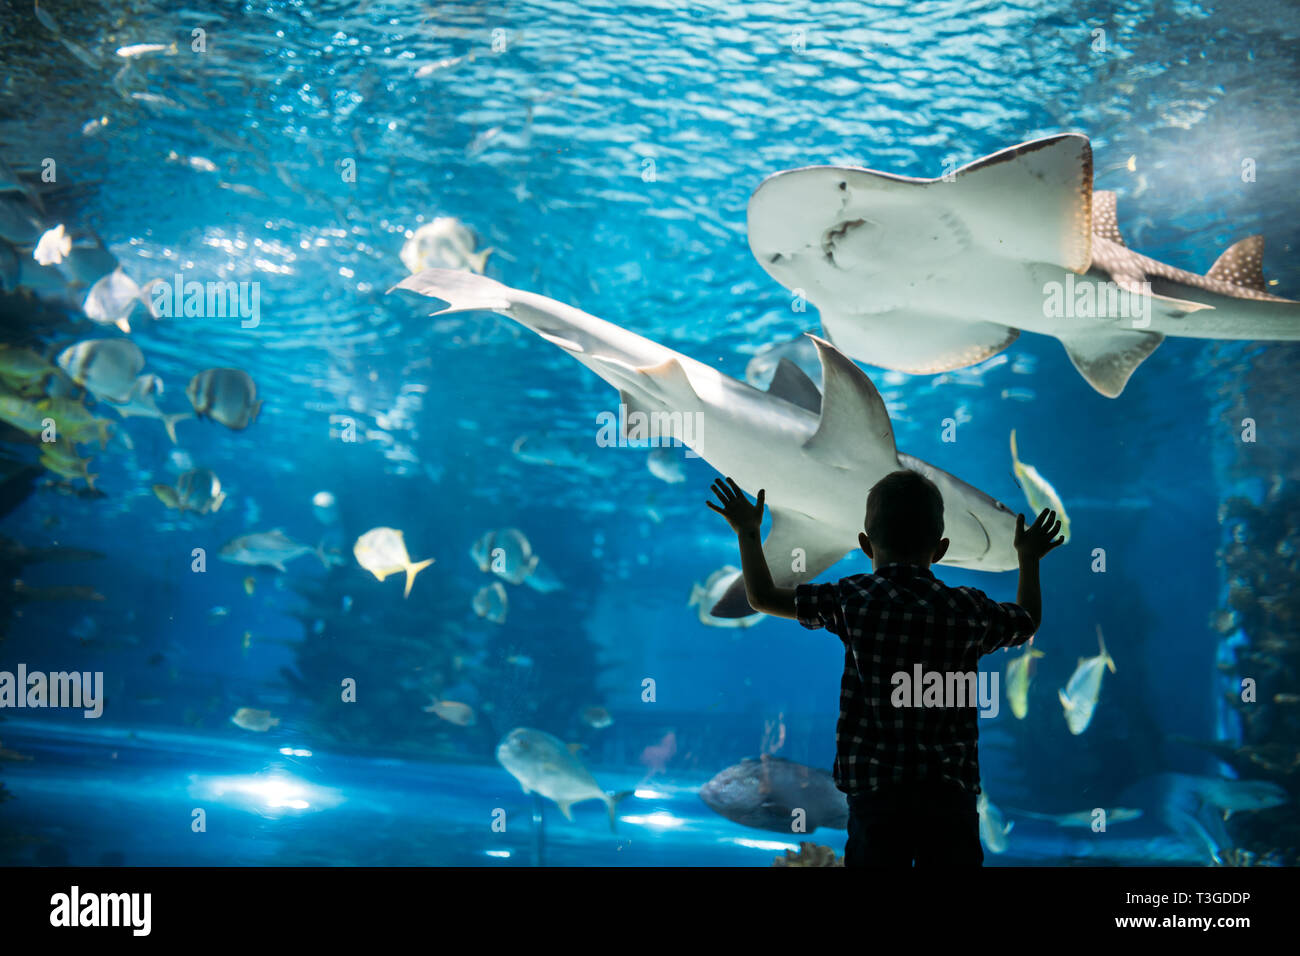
462 291
612 801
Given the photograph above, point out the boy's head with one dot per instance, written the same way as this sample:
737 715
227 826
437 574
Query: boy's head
904 523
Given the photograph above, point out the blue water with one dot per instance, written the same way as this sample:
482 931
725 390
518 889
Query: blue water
541 147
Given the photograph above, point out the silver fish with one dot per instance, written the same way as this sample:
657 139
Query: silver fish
106 367
197 490
267 548
542 764
226 395
141 403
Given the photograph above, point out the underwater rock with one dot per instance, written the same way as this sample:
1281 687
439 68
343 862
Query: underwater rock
810 854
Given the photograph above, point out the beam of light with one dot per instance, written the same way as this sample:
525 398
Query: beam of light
503 854
262 792
660 820
761 844
294 752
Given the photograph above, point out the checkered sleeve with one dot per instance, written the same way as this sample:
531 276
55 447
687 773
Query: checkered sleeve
818 605
1008 624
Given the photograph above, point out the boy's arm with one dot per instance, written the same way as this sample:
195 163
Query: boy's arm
747 521
1032 545
1028 594
763 595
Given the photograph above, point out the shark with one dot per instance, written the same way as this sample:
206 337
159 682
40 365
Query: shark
815 452
930 275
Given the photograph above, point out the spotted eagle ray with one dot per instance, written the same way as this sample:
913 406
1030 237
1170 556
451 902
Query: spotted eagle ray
928 275
816 454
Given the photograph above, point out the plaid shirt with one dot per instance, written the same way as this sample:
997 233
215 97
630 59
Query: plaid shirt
890 621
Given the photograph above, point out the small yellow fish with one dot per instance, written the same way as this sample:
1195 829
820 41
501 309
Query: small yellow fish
251 719
382 551
462 715
1018 681
62 459
75 421
247 642
1038 492
249 585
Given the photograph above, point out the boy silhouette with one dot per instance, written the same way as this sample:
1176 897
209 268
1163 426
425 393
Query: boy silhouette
911 773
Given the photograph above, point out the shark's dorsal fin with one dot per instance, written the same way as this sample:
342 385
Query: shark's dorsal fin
792 383
1242 263
1106 358
854 429
1053 176
1105 221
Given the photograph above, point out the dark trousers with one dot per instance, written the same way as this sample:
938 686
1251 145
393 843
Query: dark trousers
922 824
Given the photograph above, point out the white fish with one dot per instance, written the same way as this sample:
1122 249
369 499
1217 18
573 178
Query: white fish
324 506
250 718
225 395
430 68
382 551
816 467
106 367
145 49
199 164
113 298
445 243
272 549
480 143
141 403
928 275
1038 490
665 463
491 603
708 594
1079 698
543 764
198 490
993 828
53 246
506 553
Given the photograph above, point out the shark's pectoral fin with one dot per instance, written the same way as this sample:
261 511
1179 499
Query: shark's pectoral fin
462 291
854 430
1105 220
669 383
798 548
792 383
659 399
916 342
1107 358
1242 263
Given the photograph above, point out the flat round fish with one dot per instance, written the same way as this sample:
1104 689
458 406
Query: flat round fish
226 395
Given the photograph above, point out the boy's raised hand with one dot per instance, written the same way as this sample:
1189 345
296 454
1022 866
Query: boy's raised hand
1039 538
740 514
